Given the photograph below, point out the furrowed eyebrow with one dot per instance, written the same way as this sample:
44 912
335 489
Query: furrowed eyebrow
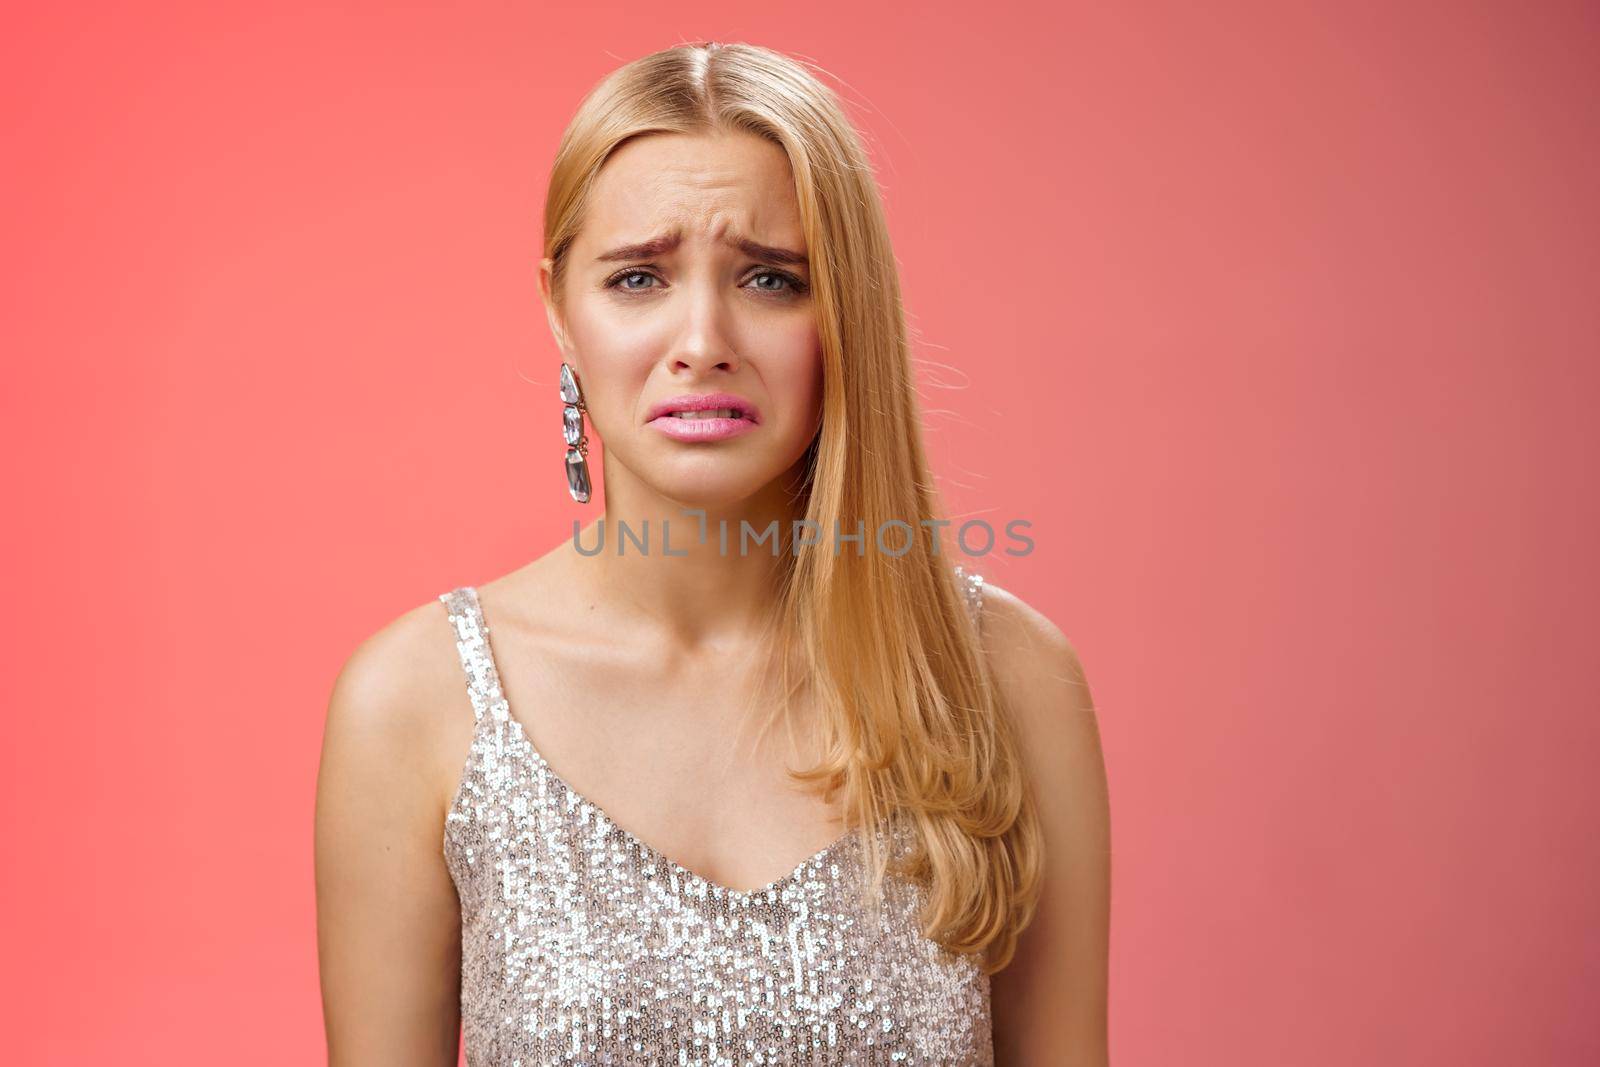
769 253
660 246
656 246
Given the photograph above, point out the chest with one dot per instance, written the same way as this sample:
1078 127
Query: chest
692 760
581 940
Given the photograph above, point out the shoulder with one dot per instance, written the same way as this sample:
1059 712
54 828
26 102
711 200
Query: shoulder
1031 657
384 686
1067 943
1042 681
388 913
396 705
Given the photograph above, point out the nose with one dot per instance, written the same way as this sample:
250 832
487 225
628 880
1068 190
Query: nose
701 344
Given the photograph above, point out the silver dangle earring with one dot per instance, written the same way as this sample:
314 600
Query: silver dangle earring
572 430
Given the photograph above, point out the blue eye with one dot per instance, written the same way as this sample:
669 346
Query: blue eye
788 284
795 284
617 280
791 281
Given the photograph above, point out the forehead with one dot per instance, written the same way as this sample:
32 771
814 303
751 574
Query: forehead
705 184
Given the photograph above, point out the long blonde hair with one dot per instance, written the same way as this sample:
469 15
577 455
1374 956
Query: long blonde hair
910 722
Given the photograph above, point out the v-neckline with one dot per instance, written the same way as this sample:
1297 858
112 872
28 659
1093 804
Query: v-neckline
497 697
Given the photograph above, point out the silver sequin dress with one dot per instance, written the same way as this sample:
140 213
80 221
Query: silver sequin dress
581 944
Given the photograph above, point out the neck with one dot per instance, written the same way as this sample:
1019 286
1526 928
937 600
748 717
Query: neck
695 572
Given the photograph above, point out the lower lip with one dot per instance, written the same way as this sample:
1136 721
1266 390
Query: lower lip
702 429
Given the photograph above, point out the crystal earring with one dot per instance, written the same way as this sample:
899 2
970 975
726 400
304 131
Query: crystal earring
572 430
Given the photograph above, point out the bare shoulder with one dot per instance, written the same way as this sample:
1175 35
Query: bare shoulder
388 915
399 703
1036 666
1042 681
1050 1002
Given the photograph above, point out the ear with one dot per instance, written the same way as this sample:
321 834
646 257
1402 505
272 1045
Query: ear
552 310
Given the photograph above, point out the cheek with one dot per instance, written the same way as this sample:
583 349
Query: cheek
616 363
605 340
798 374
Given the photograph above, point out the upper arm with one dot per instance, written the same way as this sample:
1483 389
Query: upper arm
388 921
1050 1002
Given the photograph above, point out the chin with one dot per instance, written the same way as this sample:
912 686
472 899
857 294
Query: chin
709 493
710 481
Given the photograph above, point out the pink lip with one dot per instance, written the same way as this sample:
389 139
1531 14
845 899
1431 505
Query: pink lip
662 418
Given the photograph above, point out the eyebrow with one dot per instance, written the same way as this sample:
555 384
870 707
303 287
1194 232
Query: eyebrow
659 246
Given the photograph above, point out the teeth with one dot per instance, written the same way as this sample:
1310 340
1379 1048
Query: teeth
710 413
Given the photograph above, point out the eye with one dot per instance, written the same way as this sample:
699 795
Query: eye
795 285
616 281
775 282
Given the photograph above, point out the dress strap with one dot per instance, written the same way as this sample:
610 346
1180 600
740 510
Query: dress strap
477 658
971 584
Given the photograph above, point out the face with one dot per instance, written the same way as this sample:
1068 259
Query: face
689 279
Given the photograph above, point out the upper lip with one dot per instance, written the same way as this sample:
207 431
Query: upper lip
704 402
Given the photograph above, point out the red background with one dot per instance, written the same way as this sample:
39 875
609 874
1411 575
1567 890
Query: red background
1278 321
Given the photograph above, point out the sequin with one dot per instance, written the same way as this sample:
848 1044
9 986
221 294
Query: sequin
581 944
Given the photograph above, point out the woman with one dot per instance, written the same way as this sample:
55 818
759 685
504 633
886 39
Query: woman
681 794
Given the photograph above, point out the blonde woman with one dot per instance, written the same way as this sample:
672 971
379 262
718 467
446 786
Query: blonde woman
716 782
